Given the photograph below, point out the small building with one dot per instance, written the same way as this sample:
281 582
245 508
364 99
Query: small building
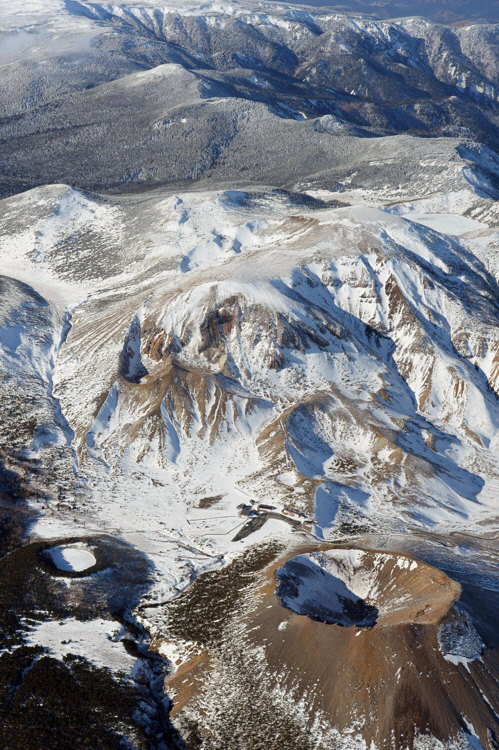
308 525
265 507
294 513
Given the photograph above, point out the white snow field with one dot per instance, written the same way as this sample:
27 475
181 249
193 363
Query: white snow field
97 640
451 224
72 559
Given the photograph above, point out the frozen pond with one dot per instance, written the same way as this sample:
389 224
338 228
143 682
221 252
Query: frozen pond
72 559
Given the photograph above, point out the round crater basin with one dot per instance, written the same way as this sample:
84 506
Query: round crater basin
72 559
353 587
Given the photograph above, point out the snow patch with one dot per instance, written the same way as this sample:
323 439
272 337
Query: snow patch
450 224
288 478
74 559
96 640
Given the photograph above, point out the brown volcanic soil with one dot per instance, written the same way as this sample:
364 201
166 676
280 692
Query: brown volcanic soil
391 680
402 589
392 676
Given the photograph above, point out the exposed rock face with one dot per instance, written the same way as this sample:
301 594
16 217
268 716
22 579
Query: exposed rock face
132 370
459 640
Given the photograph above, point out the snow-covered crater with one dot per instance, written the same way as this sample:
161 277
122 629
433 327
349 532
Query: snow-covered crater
309 585
72 559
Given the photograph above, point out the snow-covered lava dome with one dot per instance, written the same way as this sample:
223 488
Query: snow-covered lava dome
354 587
72 559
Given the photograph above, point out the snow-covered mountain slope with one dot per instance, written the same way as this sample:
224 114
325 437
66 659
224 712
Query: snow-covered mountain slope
461 12
214 342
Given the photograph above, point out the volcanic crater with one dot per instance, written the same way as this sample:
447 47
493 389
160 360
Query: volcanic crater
353 587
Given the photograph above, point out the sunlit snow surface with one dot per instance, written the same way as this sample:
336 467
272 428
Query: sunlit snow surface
96 640
72 558
450 224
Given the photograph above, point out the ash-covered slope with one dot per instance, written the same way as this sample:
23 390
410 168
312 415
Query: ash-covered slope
291 667
413 649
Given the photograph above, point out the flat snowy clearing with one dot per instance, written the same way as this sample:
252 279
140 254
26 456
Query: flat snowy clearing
72 558
288 478
451 224
95 640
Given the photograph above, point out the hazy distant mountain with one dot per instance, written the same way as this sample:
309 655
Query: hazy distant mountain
441 11
209 87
